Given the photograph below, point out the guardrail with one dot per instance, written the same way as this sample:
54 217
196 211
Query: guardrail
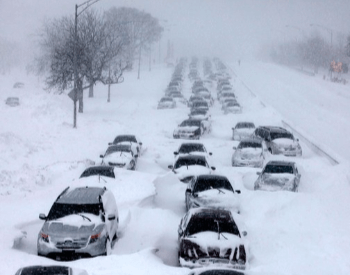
312 145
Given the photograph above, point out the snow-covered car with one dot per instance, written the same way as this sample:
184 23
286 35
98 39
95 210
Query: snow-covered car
187 166
192 148
120 156
233 108
206 96
249 152
50 270
211 191
136 144
279 141
166 103
225 95
278 175
99 170
200 105
12 101
83 221
243 130
200 114
178 97
190 129
194 98
209 237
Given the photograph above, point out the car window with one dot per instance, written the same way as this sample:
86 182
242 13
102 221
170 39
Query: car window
204 184
98 171
59 210
213 224
278 169
188 148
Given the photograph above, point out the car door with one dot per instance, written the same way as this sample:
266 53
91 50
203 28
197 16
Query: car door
110 208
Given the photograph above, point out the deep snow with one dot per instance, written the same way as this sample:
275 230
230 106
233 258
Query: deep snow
289 233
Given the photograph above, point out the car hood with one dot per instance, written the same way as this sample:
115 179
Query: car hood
248 153
209 241
187 129
73 226
245 131
118 158
278 181
285 142
221 198
191 170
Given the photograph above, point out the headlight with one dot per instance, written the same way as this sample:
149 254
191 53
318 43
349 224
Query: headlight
94 238
44 237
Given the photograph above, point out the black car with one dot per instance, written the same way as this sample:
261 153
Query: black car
50 270
210 237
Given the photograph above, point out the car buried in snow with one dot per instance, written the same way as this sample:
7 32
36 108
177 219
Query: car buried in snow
212 191
136 144
278 175
189 129
187 166
82 222
100 171
192 148
166 103
50 270
233 108
243 130
209 237
279 141
120 156
249 152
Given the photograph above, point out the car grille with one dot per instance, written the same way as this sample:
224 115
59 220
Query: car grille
116 164
72 244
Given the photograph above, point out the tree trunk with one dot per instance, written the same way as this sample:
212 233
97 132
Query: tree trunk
80 97
91 90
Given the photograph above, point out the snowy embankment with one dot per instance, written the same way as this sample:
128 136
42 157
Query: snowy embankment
289 233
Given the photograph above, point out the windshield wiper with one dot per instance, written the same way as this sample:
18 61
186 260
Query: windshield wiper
84 217
220 191
223 236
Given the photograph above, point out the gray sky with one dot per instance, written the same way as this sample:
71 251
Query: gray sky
205 27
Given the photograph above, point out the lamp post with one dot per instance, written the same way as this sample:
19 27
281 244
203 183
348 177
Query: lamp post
85 5
325 28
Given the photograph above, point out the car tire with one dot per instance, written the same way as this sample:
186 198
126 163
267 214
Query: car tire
108 247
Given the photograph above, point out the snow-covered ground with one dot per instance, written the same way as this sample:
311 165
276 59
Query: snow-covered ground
289 233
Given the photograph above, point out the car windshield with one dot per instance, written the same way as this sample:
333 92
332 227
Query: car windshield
46 270
249 144
190 161
107 172
204 184
119 148
188 148
200 104
232 104
124 138
213 223
196 123
242 125
281 135
278 169
59 210
198 112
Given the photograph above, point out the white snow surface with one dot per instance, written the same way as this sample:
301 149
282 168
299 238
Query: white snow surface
289 233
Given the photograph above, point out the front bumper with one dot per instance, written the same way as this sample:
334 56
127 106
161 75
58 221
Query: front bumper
186 136
203 262
247 162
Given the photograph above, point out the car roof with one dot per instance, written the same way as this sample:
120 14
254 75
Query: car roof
81 195
275 129
209 176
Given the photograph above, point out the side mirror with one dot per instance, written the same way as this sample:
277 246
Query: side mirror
180 231
210 153
258 173
188 190
111 217
213 168
42 216
176 153
170 166
238 191
244 233
101 156
110 143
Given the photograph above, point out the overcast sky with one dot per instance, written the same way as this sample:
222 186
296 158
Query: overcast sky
207 27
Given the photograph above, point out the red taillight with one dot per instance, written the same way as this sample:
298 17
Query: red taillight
45 237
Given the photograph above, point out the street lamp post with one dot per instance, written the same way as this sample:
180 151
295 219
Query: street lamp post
85 5
325 28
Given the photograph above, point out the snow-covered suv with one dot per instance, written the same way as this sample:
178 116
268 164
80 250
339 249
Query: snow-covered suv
82 222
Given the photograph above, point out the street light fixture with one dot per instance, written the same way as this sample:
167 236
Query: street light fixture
85 5
325 28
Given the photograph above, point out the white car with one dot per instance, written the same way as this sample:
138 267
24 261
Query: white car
190 129
132 140
250 152
187 166
233 108
121 156
166 103
243 130
192 148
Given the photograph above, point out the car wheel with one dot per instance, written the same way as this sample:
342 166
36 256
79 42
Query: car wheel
270 150
108 247
133 165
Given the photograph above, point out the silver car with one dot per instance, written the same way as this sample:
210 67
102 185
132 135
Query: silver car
242 130
82 222
250 152
50 269
278 175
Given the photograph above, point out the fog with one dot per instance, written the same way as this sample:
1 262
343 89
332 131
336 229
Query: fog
225 28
